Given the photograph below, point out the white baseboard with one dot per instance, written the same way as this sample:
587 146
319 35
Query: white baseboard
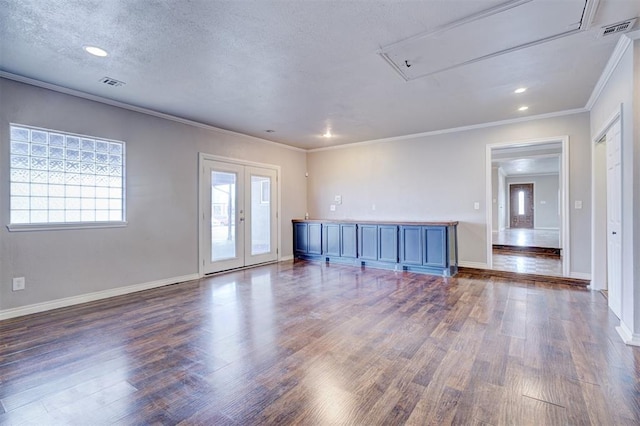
580 275
90 297
547 229
285 258
475 265
627 336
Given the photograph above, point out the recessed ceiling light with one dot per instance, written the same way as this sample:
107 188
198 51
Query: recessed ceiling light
95 51
523 108
520 90
328 134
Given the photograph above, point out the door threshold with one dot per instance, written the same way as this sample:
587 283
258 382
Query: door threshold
241 268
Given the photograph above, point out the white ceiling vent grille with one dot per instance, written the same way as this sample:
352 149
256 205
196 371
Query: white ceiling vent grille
112 82
620 27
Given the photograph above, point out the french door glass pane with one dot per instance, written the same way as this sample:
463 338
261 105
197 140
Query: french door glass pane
223 213
260 215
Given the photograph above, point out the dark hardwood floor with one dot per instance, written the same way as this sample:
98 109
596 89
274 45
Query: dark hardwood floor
307 343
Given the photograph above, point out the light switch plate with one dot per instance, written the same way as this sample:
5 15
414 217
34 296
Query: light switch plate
476 205
338 199
18 283
578 204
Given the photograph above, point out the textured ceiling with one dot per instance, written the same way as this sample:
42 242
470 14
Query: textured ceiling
299 67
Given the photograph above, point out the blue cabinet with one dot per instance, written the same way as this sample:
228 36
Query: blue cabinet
300 238
435 246
331 239
411 245
348 240
426 247
307 238
368 242
388 243
315 238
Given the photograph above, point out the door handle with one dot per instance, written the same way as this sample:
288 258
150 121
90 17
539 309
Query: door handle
614 232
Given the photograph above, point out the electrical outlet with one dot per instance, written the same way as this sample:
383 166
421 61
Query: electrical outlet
332 207
18 283
476 205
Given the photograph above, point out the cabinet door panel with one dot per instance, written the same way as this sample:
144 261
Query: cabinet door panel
411 245
368 242
315 238
301 237
348 240
331 239
435 249
388 243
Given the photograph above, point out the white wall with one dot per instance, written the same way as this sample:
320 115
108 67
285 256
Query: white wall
440 177
545 197
622 88
495 211
502 200
161 239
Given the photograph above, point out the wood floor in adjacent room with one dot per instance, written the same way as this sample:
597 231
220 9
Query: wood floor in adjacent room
307 343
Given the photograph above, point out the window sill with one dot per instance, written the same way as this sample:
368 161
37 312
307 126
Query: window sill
60 226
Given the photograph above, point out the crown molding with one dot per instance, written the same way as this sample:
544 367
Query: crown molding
454 129
621 47
123 105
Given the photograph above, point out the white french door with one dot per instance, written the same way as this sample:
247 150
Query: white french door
238 213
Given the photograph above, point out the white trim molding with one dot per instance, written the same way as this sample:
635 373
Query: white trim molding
474 265
91 297
598 269
621 47
580 276
564 192
454 129
285 258
627 336
130 107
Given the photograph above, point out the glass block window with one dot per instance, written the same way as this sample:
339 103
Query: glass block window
61 178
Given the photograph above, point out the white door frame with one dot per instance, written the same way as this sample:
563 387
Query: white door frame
599 252
565 240
202 207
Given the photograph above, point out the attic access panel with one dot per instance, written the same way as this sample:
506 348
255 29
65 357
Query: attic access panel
510 26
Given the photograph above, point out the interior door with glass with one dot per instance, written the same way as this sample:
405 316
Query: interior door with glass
239 226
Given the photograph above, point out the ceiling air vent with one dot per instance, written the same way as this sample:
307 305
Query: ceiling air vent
111 82
620 27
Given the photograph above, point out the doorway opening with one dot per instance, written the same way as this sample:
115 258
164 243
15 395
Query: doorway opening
238 223
527 206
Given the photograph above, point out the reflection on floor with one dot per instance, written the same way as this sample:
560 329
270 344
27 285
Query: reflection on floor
508 255
527 238
528 264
